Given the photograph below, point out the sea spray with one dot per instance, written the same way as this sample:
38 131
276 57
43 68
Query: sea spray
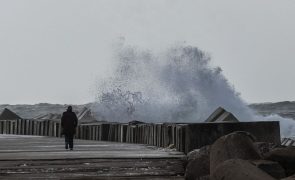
178 85
287 125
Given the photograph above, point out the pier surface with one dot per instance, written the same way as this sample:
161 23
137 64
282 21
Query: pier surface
38 157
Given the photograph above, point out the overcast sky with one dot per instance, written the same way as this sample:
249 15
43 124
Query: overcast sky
54 50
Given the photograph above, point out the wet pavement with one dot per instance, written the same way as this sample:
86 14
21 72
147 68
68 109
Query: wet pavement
37 157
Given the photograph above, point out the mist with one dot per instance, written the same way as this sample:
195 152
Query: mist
179 84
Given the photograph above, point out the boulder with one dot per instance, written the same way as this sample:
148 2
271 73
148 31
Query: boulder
197 152
207 177
198 167
272 168
284 156
237 145
264 147
238 169
171 146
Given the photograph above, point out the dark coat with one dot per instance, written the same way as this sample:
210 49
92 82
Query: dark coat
69 122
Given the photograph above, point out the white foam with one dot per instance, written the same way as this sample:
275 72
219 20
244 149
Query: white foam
178 85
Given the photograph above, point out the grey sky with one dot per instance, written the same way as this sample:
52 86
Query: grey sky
54 50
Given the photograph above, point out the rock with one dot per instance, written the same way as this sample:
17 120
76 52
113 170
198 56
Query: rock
272 168
198 166
197 152
207 177
193 154
237 145
171 146
237 169
290 177
264 147
284 156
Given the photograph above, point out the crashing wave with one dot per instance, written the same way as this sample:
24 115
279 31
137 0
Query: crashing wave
179 85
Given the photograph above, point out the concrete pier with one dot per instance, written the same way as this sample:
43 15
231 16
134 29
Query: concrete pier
39 157
184 136
111 150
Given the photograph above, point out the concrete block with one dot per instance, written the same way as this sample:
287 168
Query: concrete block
221 115
201 134
218 112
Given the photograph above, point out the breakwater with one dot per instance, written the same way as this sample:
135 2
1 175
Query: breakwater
183 136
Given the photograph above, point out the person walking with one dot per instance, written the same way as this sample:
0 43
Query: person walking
69 122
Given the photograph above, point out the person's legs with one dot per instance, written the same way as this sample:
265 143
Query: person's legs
71 143
66 141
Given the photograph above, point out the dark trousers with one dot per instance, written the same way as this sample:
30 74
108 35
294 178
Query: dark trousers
69 141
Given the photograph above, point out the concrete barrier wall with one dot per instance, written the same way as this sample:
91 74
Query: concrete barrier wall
185 137
202 134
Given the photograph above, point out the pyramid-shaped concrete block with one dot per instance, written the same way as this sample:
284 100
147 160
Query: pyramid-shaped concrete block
49 116
8 115
221 115
85 116
218 112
